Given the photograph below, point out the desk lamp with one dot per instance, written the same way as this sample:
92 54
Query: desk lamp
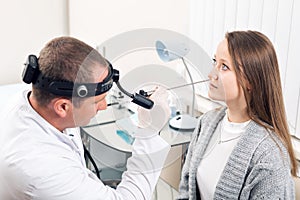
169 52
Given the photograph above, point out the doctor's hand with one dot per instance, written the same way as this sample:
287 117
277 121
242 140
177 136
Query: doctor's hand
156 118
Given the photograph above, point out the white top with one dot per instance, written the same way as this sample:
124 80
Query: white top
215 158
39 162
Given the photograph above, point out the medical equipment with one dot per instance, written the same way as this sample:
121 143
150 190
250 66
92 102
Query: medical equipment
172 88
32 74
181 122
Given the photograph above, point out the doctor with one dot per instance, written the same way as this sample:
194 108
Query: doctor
41 152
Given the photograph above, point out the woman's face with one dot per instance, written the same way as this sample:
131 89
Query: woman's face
223 81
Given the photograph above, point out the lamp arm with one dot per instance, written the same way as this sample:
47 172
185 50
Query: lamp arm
193 87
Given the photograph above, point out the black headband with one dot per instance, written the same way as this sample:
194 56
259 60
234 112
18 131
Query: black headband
32 74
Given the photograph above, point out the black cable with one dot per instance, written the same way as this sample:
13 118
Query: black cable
124 91
88 155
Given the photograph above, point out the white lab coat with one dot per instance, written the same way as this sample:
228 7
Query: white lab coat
39 162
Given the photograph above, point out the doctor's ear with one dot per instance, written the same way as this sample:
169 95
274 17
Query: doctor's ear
62 106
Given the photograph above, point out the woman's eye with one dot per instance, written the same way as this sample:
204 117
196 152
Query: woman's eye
224 67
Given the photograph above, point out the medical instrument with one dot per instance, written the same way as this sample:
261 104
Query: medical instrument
182 122
114 103
32 74
150 92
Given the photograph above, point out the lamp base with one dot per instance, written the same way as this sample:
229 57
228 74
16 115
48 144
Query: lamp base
183 122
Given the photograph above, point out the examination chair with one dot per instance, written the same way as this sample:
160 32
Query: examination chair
297 187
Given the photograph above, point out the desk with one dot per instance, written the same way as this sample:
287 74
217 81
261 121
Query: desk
103 130
104 126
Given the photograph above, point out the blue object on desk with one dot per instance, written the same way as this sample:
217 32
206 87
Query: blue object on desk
128 124
125 136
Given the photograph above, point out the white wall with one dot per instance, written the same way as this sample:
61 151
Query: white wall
27 25
278 19
95 21
25 28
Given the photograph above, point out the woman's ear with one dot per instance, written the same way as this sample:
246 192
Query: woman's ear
249 87
62 107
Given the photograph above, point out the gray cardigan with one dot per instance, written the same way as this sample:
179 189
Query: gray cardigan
256 168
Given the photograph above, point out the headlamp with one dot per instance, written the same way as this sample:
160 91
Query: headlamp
32 74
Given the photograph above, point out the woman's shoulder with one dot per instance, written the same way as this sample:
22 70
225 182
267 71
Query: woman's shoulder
270 148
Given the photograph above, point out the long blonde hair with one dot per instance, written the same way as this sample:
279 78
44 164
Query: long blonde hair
256 65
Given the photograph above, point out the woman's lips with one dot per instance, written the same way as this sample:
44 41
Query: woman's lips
212 86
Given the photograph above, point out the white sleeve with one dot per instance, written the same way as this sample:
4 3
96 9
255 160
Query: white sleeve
143 170
138 182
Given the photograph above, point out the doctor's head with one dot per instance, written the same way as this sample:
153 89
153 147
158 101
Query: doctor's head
71 60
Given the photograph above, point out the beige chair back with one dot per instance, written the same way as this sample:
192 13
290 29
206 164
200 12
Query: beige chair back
297 187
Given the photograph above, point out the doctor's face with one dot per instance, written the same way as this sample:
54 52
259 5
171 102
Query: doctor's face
223 81
89 107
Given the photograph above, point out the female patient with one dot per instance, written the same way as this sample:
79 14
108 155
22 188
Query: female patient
242 151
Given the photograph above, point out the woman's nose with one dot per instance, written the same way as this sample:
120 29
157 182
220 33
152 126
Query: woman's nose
213 74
